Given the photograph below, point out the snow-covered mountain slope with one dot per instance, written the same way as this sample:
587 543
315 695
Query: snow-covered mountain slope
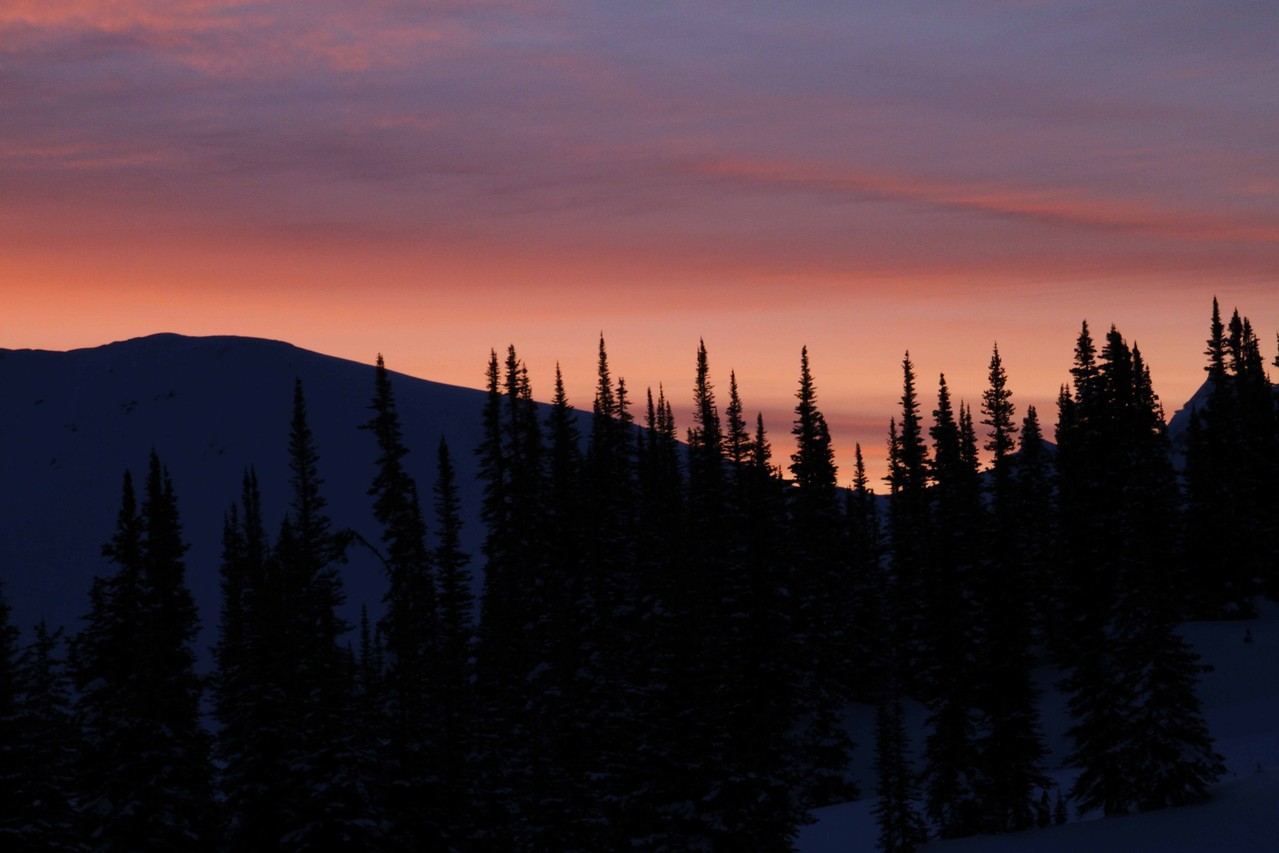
1240 693
71 422
1179 423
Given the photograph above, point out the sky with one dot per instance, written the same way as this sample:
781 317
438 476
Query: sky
431 180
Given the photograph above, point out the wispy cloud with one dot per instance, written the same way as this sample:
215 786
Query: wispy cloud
1055 206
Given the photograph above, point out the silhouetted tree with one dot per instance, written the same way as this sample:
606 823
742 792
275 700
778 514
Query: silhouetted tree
145 767
1010 747
901 827
249 681
908 524
329 769
409 631
1139 733
41 745
951 633
822 591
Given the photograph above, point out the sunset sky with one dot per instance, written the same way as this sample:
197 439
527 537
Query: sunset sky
430 180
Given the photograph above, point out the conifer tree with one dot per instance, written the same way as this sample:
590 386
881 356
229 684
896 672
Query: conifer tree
773 688
594 620
736 439
251 674
521 793
822 594
41 744
998 409
1010 748
12 819
702 687
908 523
901 827
145 771
566 503
409 630
454 718
329 769
1139 732
1232 455
1089 490
868 585
662 531
1035 525
951 632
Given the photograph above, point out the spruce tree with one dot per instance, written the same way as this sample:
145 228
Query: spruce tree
908 523
252 672
772 696
454 717
39 774
1035 524
998 411
951 631
868 585
1139 733
1232 455
12 819
145 771
329 768
409 630
521 791
1010 748
822 594
901 827
702 685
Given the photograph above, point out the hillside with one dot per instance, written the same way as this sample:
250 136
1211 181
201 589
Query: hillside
1240 693
71 422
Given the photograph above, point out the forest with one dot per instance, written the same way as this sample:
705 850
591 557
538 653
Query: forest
671 627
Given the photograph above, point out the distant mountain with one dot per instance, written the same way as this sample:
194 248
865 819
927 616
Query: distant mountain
1179 423
71 422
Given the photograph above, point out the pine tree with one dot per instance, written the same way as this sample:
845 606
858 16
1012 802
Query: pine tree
736 439
1139 733
146 770
951 631
908 523
771 699
821 587
702 682
998 409
1232 455
1035 517
1010 748
409 630
251 674
12 819
40 745
522 793
455 715
328 768
901 827
868 585
1089 491
662 531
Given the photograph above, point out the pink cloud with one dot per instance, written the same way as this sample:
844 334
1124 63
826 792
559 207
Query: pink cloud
1059 206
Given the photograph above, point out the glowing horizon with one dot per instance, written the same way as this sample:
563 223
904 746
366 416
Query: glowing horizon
432 180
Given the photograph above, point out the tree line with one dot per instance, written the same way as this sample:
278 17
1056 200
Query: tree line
670 632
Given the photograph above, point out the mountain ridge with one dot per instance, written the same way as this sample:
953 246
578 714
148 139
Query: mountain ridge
212 407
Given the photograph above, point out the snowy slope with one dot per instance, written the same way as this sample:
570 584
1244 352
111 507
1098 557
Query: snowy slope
70 423
1241 704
